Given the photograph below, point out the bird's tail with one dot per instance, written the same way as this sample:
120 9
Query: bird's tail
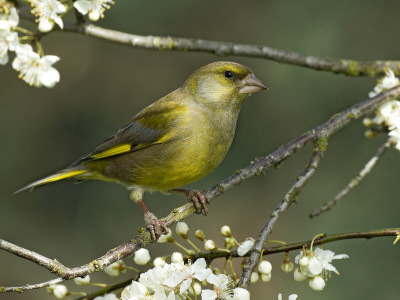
63 174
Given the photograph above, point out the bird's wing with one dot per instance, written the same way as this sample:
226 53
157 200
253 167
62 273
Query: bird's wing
154 125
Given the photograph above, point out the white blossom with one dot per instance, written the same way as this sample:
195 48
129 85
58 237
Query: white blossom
10 20
48 12
388 114
8 42
317 262
246 246
95 8
221 288
134 291
35 70
326 257
8 38
182 275
387 82
153 279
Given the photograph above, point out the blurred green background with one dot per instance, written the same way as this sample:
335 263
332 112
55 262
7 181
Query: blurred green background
103 85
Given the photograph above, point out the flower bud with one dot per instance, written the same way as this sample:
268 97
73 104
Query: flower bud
60 291
115 268
182 229
226 231
82 280
240 294
265 267
94 15
298 275
200 235
287 265
45 25
209 245
370 134
216 271
176 257
142 257
159 262
368 122
317 283
229 243
246 246
265 277
303 261
254 277
196 288
166 238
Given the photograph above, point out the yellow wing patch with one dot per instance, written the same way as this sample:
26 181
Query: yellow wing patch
124 148
61 175
116 150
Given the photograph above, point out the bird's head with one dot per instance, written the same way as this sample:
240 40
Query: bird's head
223 84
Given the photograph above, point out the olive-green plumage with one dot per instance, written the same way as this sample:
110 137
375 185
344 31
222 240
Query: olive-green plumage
174 141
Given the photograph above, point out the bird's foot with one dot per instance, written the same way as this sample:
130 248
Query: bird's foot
155 226
199 199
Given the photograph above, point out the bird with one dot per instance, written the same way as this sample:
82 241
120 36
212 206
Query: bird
174 141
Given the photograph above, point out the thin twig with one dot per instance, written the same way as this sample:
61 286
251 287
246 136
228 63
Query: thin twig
348 67
328 238
354 182
258 166
288 199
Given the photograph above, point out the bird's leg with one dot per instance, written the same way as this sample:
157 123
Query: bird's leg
155 226
199 199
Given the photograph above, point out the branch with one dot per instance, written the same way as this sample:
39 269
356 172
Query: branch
354 182
369 234
336 65
285 203
257 167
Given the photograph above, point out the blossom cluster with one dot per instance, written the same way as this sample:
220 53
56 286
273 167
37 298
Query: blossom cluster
34 67
316 265
200 280
177 280
388 114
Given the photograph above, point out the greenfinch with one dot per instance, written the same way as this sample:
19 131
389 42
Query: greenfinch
175 141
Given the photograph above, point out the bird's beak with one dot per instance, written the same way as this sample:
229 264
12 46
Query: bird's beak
251 84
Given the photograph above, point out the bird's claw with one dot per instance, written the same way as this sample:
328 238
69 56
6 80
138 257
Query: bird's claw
199 199
155 226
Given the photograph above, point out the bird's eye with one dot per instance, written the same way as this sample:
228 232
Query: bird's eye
228 74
